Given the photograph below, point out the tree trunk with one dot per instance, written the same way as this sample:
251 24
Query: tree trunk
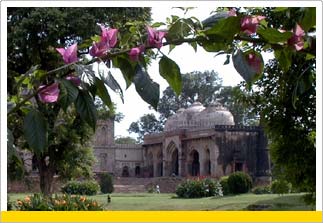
46 176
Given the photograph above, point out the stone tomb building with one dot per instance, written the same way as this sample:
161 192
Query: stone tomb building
196 141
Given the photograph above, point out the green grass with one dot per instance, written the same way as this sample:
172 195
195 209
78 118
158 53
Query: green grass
148 201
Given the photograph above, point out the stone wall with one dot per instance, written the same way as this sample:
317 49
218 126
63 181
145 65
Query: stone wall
31 185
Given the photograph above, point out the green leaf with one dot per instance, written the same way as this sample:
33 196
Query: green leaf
157 24
248 73
273 35
39 74
169 70
215 45
309 56
85 70
284 58
309 19
214 19
35 131
225 28
113 84
194 45
280 9
126 67
171 47
178 30
146 88
85 107
95 38
68 93
227 61
103 93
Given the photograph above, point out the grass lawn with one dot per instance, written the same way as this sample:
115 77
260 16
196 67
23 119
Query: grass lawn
148 201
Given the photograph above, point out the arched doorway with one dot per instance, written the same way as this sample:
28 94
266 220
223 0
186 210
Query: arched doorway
159 164
125 171
207 162
150 165
195 171
137 171
174 162
34 164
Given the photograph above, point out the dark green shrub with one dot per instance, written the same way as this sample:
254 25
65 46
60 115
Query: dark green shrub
199 188
213 188
239 182
89 187
38 202
106 183
261 190
224 185
281 187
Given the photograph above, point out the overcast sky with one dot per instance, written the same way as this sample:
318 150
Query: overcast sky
184 55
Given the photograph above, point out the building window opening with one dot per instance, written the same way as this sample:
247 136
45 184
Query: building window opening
208 163
125 171
238 166
34 164
175 163
195 164
137 171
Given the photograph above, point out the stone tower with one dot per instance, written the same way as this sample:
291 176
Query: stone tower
104 134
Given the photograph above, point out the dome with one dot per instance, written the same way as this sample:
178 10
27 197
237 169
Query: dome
197 116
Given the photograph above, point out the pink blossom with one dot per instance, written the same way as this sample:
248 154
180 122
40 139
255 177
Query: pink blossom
155 37
75 80
249 24
99 49
107 41
49 93
109 36
255 62
297 39
70 54
135 52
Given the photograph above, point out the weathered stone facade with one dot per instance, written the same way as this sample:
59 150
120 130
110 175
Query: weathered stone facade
197 141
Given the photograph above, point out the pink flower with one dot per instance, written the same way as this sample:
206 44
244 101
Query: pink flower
255 62
107 41
155 37
135 52
75 80
249 24
49 94
109 36
70 54
297 39
99 49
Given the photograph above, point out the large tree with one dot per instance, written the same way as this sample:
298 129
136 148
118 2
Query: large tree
33 35
146 124
285 99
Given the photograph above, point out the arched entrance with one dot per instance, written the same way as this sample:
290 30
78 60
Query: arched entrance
174 162
150 163
125 171
137 171
195 167
159 164
207 162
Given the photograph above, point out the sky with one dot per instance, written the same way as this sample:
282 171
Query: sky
187 59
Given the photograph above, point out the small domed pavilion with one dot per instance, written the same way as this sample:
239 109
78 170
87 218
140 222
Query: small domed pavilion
204 141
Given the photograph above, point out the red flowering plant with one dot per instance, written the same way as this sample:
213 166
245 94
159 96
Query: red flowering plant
243 35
